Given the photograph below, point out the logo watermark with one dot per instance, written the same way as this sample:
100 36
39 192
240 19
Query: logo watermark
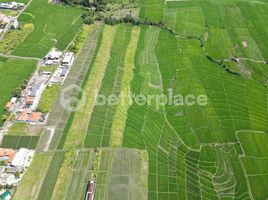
72 98
155 100
70 101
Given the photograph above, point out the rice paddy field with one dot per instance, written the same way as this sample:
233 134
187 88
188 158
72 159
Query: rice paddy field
17 142
53 25
169 152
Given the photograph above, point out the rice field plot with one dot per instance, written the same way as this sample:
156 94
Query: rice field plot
17 142
122 174
92 87
231 99
81 174
175 136
77 130
50 179
185 17
99 128
33 177
147 128
13 72
255 160
255 16
53 25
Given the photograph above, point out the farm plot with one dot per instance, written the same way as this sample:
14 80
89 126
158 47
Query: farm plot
13 72
255 160
122 174
177 136
99 128
53 25
32 179
185 17
76 135
81 174
17 141
77 131
50 179
146 126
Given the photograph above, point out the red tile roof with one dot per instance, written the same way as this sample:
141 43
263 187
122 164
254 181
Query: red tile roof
35 116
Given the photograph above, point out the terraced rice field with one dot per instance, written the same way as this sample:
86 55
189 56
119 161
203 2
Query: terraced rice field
213 151
53 25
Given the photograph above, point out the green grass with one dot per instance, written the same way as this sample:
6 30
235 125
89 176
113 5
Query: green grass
76 133
99 130
17 142
21 1
51 176
51 69
48 98
120 116
53 25
35 174
12 73
22 129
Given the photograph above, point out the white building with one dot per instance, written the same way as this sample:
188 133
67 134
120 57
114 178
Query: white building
68 58
22 158
54 55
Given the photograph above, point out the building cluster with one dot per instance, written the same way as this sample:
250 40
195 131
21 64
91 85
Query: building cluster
12 5
7 22
62 60
26 105
13 164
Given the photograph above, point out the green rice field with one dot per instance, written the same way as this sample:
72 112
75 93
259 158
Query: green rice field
53 25
154 151
17 142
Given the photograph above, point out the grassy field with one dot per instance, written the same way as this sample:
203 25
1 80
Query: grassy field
99 130
48 98
12 73
17 141
53 25
22 129
32 179
51 176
